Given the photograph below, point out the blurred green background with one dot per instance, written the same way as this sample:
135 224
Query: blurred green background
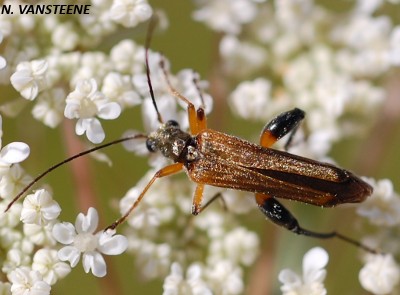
188 44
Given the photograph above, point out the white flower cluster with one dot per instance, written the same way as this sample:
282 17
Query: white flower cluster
37 80
330 63
65 80
32 263
381 273
26 267
308 59
162 230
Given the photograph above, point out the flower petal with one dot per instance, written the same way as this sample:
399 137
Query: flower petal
315 259
289 279
80 126
69 253
14 152
95 262
3 63
94 131
87 223
109 111
112 245
64 233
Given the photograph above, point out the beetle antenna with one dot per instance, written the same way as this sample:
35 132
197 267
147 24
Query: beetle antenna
43 174
150 29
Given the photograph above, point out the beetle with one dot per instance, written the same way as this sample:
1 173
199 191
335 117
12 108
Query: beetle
214 158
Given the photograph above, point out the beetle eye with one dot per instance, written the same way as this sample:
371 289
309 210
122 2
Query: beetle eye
172 123
151 145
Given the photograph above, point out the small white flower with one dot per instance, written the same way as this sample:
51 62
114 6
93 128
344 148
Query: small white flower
127 57
225 277
39 208
11 238
91 65
285 45
383 207
187 87
241 246
178 284
46 262
130 12
300 74
64 36
292 13
98 23
28 282
380 274
81 239
49 107
314 274
367 38
12 217
30 78
85 103
251 99
225 15
13 182
153 260
368 6
241 58
119 88
15 258
211 222
40 235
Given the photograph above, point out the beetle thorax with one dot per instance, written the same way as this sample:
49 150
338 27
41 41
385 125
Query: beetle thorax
172 142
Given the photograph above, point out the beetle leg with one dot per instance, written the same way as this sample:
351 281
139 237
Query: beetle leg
167 170
215 197
197 199
280 126
197 208
278 214
197 119
201 119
